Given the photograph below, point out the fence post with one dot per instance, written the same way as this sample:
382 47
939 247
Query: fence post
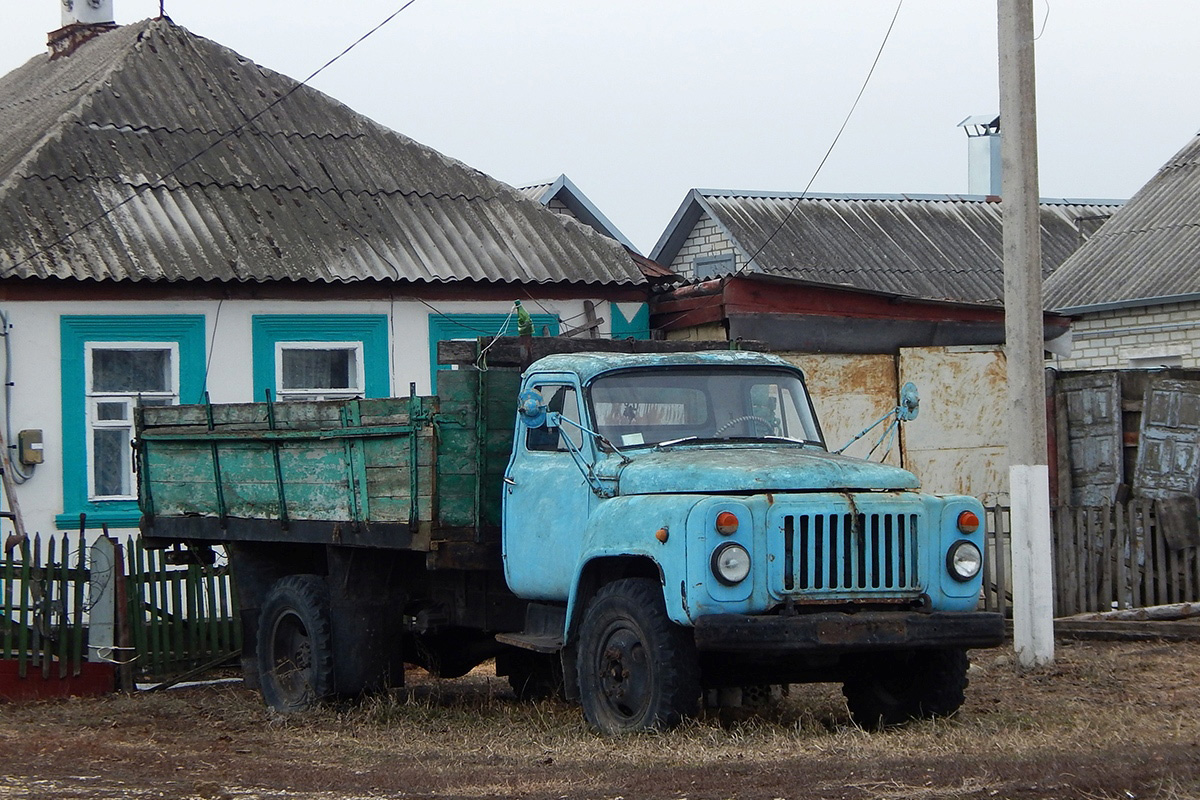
125 653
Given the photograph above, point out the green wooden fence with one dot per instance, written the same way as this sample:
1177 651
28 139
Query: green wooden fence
42 607
180 617
175 618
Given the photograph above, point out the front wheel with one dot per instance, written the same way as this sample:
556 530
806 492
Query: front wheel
295 649
637 669
918 685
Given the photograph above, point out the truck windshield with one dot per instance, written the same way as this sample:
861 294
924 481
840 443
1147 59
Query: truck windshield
657 406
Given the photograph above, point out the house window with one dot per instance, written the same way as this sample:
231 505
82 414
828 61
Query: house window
119 378
110 365
706 267
320 356
318 370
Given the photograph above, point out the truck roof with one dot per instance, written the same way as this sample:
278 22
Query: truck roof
589 365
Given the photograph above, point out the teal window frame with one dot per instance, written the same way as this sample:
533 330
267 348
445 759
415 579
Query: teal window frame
472 326
185 331
268 330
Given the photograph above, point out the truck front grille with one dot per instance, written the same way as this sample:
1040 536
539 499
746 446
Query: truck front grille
849 554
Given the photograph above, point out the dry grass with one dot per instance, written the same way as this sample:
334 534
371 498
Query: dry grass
1106 721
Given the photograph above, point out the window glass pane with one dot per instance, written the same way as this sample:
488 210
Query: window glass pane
116 370
563 400
110 411
110 462
310 368
155 401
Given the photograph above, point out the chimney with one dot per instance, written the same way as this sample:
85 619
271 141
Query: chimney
81 20
983 154
87 12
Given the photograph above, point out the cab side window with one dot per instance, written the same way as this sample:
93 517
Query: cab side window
563 400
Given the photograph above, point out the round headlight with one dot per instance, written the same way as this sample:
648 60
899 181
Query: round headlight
730 563
964 561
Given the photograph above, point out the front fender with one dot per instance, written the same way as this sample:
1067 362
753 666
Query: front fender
627 527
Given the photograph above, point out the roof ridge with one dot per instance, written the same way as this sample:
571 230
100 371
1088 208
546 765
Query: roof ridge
933 197
76 109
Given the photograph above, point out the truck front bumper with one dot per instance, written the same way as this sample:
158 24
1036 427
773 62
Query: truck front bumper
835 631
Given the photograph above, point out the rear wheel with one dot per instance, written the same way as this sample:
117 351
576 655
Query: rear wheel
295 653
918 685
637 669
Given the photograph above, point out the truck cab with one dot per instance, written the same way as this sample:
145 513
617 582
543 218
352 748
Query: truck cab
678 522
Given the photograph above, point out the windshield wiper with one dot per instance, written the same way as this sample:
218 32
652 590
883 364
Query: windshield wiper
670 442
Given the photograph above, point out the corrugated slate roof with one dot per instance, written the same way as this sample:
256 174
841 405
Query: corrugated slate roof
571 196
931 247
1148 253
309 191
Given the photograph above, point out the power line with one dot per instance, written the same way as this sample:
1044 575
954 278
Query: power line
861 91
800 198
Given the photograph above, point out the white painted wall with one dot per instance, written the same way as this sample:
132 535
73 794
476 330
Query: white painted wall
34 339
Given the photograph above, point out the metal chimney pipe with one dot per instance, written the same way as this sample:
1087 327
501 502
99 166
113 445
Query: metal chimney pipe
87 12
983 154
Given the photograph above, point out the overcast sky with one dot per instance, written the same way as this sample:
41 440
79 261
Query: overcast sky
638 101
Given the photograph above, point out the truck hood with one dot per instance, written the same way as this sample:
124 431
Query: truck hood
750 468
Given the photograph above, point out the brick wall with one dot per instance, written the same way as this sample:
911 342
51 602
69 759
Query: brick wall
706 239
559 207
1136 338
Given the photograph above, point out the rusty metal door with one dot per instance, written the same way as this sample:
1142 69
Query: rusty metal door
1167 462
959 442
850 392
1092 405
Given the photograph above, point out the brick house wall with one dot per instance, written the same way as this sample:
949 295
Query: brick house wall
706 240
1148 337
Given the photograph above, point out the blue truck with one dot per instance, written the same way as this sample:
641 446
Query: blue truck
627 524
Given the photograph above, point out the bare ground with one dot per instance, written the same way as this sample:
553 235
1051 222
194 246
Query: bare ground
1106 721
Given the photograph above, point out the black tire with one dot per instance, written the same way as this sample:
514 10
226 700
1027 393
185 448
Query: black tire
295 648
919 685
637 669
536 676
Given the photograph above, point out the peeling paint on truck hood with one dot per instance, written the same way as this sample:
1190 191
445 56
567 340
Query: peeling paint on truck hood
753 468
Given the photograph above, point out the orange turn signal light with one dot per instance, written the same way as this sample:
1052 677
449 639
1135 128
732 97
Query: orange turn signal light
662 534
727 523
968 522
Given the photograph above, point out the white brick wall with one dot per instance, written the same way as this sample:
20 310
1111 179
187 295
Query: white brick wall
706 239
1162 335
559 207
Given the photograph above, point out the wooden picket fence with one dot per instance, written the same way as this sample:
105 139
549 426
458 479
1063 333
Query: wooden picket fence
181 617
174 618
42 607
1105 558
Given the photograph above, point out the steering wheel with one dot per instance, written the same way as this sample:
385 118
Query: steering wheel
744 418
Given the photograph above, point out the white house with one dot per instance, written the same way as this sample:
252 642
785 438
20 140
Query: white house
177 222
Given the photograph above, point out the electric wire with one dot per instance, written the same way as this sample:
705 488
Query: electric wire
828 152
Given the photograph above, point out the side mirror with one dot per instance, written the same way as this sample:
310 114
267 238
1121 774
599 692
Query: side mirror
531 409
910 402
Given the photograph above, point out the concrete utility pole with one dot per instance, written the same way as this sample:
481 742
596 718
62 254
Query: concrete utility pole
1029 476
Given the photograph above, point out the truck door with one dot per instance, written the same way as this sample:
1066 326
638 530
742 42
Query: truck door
546 499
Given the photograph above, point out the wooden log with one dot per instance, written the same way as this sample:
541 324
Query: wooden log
1173 611
1129 631
515 351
